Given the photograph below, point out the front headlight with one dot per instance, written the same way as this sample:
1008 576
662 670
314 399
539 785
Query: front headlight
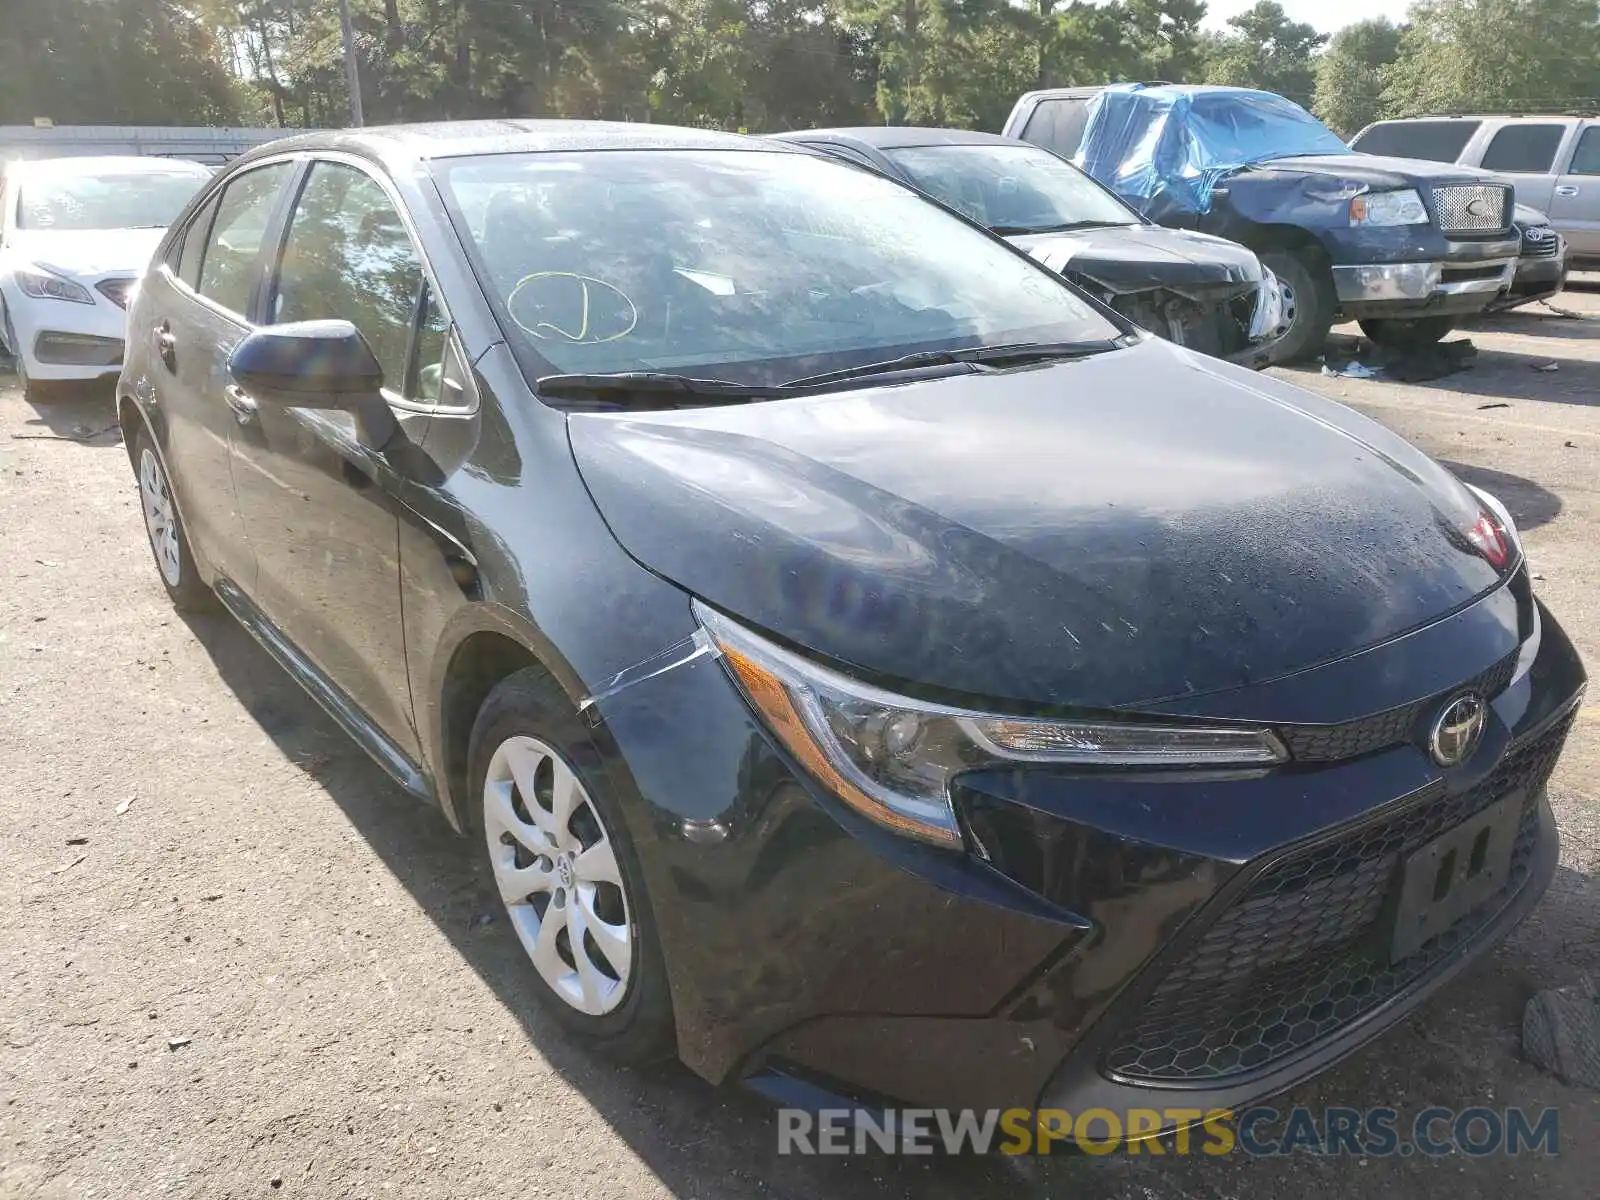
1388 208
891 758
42 285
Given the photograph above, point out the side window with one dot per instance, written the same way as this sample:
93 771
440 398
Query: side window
236 235
1058 125
1433 141
1525 149
427 359
1586 158
191 248
348 256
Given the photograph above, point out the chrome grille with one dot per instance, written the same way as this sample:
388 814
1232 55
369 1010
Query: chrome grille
117 290
1472 207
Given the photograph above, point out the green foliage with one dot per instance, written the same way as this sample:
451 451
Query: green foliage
1267 50
1496 55
1350 75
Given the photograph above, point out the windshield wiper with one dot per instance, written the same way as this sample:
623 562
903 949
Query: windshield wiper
1015 353
1064 227
655 383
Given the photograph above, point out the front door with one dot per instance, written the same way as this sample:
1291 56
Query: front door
196 318
1575 204
318 502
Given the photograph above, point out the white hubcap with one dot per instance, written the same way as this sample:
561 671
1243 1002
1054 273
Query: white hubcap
557 873
160 517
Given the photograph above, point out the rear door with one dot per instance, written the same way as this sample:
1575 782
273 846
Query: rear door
1526 153
196 314
1575 205
318 502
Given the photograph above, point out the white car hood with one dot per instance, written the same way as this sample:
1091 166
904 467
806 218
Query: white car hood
88 253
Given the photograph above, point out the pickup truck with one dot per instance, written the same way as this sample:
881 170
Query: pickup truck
1554 163
1404 247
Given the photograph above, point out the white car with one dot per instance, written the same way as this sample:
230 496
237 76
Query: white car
75 237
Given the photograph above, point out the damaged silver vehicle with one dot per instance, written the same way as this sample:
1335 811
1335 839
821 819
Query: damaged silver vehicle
1209 294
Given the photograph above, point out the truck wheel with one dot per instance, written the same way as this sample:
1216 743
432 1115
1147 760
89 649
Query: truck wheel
1314 304
1413 334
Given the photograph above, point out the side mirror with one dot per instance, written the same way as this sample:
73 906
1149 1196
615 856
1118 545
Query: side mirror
315 364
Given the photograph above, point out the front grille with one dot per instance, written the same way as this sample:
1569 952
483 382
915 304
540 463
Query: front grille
1331 743
1301 953
1539 242
117 290
1472 207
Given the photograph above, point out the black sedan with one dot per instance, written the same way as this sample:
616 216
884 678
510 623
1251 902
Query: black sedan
868 665
1204 292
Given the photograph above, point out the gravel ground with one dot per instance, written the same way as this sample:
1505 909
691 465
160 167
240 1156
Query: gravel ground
237 963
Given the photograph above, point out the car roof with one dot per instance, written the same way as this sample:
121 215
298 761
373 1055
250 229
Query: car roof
895 137
1545 118
120 164
397 144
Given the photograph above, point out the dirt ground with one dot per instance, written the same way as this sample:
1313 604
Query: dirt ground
236 962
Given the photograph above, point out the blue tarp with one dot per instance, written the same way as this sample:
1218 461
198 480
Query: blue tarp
1163 149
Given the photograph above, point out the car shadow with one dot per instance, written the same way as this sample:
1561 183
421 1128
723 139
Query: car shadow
85 413
721 1143
1530 504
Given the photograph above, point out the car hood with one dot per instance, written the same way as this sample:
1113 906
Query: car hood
1134 258
1375 170
1136 526
88 253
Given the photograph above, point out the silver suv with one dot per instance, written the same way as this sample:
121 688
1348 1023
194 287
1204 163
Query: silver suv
1553 161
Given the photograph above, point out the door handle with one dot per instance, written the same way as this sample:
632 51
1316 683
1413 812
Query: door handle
1566 189
166 344
241 402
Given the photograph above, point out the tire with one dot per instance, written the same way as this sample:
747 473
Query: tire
169 541
1413 334
1314 305
529 739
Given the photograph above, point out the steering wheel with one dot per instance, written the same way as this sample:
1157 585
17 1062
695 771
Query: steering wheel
597 311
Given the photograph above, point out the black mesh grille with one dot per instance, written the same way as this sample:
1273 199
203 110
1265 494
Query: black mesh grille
1298 955
1329 743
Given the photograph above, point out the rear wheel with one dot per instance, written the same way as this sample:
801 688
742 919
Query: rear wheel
1314 302
566 870
1412 334
169 542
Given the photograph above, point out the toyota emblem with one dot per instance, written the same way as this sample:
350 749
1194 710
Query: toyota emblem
1457 730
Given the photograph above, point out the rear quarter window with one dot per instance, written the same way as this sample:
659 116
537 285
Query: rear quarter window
1058 124
1434 141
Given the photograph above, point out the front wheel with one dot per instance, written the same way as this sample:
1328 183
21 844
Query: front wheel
1311 288
566 870
1407 334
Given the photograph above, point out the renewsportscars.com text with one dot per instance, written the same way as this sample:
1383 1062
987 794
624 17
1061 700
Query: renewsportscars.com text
1260 1132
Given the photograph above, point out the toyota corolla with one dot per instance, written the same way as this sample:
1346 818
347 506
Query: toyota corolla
871 667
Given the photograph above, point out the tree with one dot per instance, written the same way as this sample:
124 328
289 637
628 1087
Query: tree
1267 50
1349 93
1494 55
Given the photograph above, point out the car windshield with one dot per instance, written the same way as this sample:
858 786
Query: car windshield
71 202
1020 189
754 266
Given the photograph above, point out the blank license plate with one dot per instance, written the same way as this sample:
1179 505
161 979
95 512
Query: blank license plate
1453 874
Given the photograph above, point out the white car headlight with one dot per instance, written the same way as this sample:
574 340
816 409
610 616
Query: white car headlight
45 285
891 758
1388 208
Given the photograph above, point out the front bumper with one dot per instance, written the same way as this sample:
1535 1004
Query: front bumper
1535 279
819 957
1397 273
61 340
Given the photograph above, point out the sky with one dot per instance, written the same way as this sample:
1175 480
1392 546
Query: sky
1323 14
